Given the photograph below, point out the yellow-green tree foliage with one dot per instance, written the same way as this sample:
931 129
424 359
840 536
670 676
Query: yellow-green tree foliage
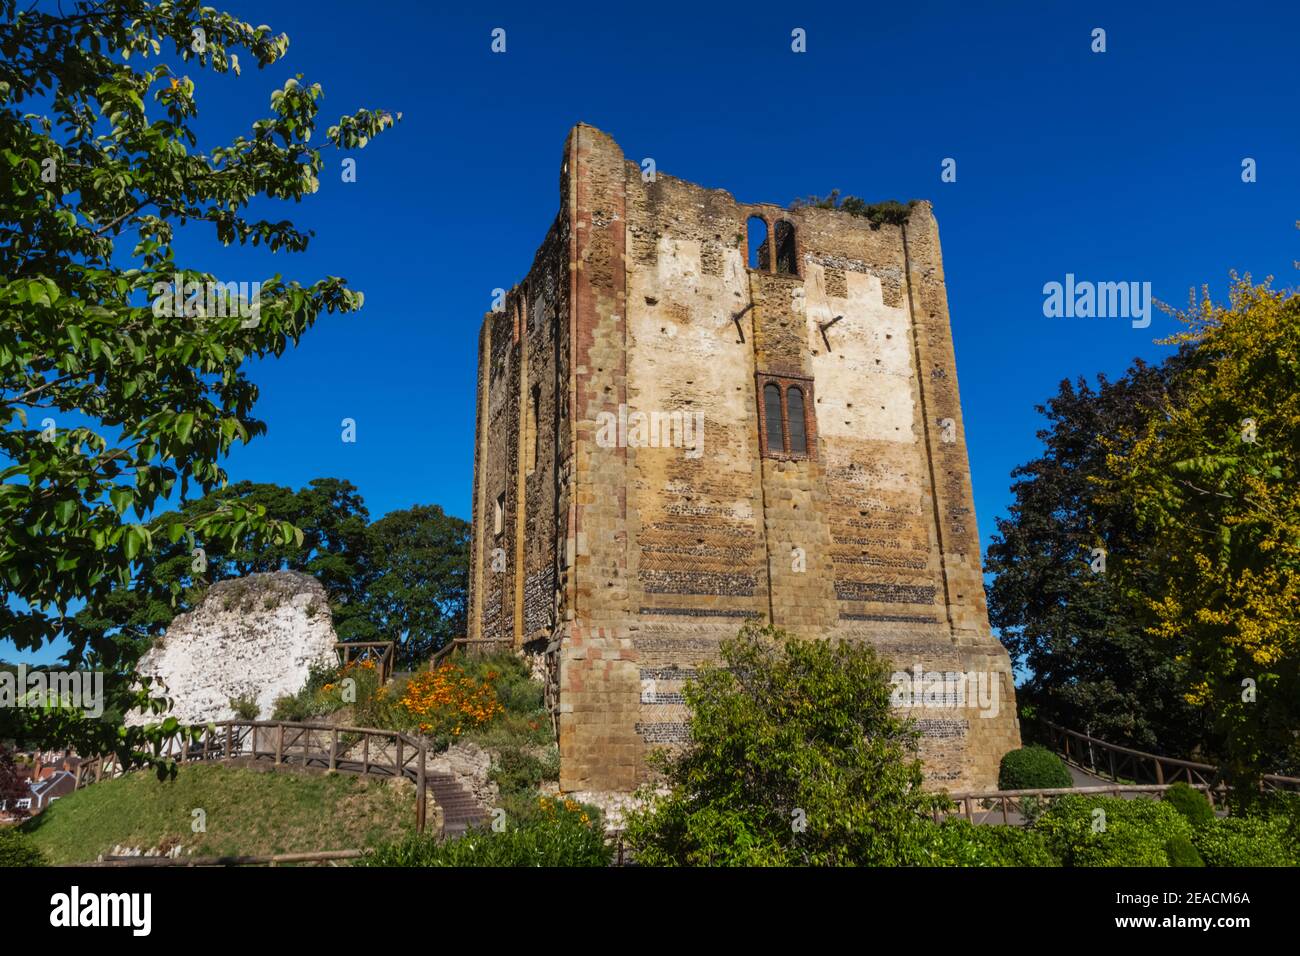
1216 474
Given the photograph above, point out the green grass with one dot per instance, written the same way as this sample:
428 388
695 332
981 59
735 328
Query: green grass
249 812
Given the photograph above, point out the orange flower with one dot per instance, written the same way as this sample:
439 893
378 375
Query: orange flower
450 698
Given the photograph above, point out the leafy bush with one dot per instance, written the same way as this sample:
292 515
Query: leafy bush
245 708
326 691
1191 803
1181 852
957 842
558 834
511 680
765 779
1125 833
17 849
491 700
518 770
890 211
1246 841
446 700
1032 768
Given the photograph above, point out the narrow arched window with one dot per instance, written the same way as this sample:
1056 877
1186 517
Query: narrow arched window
794 410
772 418
787 258
787 416
757 239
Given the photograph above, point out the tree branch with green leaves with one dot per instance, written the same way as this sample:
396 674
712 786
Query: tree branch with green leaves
101 165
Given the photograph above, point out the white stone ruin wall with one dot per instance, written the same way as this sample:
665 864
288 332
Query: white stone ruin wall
253 637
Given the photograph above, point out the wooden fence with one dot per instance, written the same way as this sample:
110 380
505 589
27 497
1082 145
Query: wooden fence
465 644
325 856
381 652
364 751
986 805
1111 760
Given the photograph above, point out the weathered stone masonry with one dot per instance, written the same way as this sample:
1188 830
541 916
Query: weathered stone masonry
627 565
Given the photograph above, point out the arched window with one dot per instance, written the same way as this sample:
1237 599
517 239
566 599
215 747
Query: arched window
787 258
794 411
758 251
772 418
787 418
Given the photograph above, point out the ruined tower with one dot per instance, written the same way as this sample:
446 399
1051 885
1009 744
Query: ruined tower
674 435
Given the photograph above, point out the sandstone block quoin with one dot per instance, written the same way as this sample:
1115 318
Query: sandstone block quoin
817 475
254 637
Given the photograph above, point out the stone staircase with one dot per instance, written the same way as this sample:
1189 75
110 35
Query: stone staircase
460 810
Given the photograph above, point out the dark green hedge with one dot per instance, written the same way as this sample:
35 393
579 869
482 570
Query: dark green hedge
1032 768
1191 803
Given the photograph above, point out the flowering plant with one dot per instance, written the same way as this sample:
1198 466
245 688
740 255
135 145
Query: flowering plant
447 700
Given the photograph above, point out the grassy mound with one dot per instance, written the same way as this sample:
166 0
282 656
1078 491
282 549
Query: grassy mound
246 812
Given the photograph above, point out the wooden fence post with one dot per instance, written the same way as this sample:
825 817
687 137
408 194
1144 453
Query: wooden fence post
422 794
279 744
230 739
334 749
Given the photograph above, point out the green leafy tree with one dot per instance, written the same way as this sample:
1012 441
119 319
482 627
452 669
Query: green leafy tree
1213 475
329 514
403 577
795 757
419 593
108 403
1063 614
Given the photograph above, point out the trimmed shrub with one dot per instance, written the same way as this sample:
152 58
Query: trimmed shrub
1191 803
1181 852
1124 833
957 842
17 849
1246 841
560 834
1032 768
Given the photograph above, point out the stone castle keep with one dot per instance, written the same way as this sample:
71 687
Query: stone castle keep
673 436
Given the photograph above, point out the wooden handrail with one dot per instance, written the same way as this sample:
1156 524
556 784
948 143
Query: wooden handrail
238 739
1129 751
383 651
1006 799
322 856
458 643
1158 762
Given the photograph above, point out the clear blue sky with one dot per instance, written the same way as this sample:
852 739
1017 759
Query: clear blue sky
1117 166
